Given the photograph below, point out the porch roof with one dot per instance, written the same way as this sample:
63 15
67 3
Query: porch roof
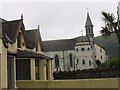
31 54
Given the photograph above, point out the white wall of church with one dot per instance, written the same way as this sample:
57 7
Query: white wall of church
84 58
60 56
67 64
64 60
100 54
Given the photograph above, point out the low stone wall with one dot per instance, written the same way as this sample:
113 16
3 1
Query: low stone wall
79 83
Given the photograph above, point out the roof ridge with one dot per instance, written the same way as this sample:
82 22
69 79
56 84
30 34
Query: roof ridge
12 21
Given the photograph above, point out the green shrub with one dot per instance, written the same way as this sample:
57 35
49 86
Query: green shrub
114 61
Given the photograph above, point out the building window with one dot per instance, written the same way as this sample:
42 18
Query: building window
83 62
56 61
19 40
100 50
76 49
77 60
101 57
90 63
71 63
37 48
89 30
88 49
82 49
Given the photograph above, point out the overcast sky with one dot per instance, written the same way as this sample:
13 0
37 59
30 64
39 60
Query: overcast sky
58 19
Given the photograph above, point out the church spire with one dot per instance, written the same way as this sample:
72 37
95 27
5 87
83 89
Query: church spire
22 16
88 20
89 27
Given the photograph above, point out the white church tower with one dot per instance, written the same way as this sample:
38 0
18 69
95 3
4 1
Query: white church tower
89 27
85 52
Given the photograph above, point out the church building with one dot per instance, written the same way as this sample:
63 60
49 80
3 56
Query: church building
77 53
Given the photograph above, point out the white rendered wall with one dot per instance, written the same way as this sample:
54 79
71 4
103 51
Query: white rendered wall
86 55
100 53
77 57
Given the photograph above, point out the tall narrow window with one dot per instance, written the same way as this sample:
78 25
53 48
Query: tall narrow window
71 63
83 61
76 49
100 50
56 61
89 30
19 40
77 60
90 63
37 47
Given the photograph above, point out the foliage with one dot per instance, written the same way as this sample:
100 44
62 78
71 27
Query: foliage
111 24
114 61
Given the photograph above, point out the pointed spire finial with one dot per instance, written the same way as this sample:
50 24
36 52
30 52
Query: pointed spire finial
38 27
87 11
22 16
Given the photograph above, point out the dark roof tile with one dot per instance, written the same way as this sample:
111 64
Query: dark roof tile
33 36
30 54
59 45
10 28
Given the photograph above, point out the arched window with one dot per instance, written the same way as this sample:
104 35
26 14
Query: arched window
71 63
56 61
76 49
89 30
83 62
77 60
90 63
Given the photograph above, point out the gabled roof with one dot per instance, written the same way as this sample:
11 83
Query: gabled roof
33 37
88 21
2 20
10 30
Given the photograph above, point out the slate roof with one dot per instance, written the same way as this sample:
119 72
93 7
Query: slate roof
30 54
65 44
10 29
59 45
109 44
81 39
33 36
